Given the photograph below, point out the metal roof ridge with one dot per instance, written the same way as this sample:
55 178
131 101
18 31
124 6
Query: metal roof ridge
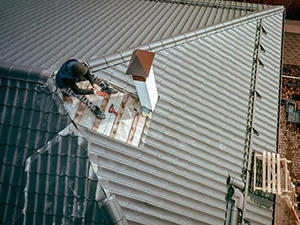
22 73
156 46
211 4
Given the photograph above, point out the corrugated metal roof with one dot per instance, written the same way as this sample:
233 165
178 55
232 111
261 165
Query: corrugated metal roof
44 34
198 130
268 86
31 115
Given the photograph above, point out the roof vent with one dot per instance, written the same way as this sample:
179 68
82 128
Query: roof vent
140 67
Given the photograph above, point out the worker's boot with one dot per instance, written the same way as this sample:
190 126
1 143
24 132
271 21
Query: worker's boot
98 113
109 90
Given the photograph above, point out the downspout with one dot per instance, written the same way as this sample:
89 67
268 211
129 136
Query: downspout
235 200
232 212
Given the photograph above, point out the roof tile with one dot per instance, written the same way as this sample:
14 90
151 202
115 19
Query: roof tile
24 127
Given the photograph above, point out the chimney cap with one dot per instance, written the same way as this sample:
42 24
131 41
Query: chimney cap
140 63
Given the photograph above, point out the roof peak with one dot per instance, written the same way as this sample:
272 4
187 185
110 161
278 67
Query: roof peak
25 73
221 4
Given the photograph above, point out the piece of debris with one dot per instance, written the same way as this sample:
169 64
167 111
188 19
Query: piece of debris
112 110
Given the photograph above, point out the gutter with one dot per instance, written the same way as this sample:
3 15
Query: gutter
234 200
156 46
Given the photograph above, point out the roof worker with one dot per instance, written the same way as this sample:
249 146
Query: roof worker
71 72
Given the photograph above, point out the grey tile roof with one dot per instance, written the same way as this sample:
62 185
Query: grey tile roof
60 184
46 176
43 34
31 115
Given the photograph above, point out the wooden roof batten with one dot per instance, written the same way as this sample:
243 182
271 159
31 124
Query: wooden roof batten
275 179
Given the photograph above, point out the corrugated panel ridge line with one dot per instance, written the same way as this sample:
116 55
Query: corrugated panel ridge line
223 4
124 56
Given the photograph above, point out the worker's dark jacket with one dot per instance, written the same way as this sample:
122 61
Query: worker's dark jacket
65 72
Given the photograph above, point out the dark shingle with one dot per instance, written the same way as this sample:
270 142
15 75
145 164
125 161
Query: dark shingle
30 116
59 179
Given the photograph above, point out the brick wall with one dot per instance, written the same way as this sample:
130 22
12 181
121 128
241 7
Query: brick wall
288 146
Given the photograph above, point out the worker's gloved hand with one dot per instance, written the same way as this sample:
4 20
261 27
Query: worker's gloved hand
97 91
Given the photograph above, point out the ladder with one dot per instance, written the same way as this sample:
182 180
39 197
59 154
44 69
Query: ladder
274 178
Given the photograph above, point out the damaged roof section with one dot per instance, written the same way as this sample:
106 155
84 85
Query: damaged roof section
124 120
128 113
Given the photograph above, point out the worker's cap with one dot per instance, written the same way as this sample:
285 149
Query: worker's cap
79 69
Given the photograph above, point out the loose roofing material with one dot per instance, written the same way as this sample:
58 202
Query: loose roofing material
203 67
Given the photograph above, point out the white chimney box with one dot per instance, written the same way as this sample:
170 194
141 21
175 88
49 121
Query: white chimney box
147 92
140 67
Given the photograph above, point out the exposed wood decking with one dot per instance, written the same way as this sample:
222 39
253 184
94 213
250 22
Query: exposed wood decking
126 126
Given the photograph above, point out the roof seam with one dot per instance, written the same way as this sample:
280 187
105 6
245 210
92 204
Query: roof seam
35 110
60 155
26 128
156 46
25 88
